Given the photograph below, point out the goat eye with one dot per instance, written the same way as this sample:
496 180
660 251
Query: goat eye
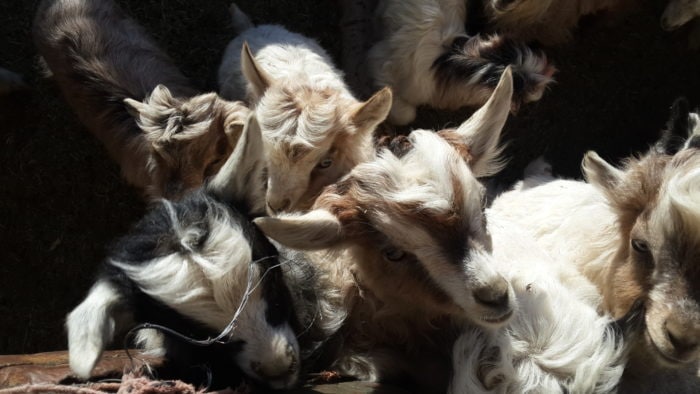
393 254
325 163
640 246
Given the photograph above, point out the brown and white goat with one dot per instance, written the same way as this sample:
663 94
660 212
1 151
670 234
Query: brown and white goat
314 130
547 21
426 57
634 232
405 236
165 136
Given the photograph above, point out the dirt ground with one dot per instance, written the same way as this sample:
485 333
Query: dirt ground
62 200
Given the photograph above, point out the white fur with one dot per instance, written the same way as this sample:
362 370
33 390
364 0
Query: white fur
307 114
556 341
91 328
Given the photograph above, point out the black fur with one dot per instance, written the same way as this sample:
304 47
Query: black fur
154 236
674 136
470 55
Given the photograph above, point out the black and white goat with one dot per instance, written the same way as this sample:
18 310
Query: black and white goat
193 266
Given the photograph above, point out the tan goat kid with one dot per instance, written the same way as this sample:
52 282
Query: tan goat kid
634 232
314 130
165 136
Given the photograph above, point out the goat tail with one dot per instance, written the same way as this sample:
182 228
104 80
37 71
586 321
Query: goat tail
91 327
241 21
479 61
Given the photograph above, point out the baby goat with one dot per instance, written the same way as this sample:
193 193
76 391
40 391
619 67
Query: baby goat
634 232
427 58
127 92
314 130
405 238
192 265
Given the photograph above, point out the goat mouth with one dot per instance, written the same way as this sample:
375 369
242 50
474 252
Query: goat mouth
498 319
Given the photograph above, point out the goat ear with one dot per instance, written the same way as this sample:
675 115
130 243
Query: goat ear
135 107
258 79
600 173
372 112
674 136
482 131
318 229
236 180
235 121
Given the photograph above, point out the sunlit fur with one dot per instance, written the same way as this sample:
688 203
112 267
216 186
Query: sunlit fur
405 236
556 341
313 128
129 94
632 231
426 58
547 21
186 265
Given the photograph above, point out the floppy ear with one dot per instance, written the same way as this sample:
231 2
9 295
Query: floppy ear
257 78
368 115
238 179
482 131
318 229
600 173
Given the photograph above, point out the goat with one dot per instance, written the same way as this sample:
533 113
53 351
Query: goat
682 12
556 341
189 265
165 137
314 130
548 21
404 236
426 57
633 232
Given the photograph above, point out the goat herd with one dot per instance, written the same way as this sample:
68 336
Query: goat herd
284 238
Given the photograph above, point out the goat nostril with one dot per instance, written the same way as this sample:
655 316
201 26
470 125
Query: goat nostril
281 207
492 296
680 342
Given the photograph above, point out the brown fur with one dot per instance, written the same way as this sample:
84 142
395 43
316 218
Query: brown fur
105 64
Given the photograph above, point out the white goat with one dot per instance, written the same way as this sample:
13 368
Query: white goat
314 130
633 232
427 58
556 341
165 136
405 237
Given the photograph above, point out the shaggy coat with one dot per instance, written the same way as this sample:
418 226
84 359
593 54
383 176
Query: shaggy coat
314 129
403 237
548 21
191 266
556 341
633 232
427 58
164 135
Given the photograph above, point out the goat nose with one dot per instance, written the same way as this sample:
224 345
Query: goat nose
683 340
494 295
278 206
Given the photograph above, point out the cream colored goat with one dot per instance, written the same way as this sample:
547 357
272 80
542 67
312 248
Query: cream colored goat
634 232
314 129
